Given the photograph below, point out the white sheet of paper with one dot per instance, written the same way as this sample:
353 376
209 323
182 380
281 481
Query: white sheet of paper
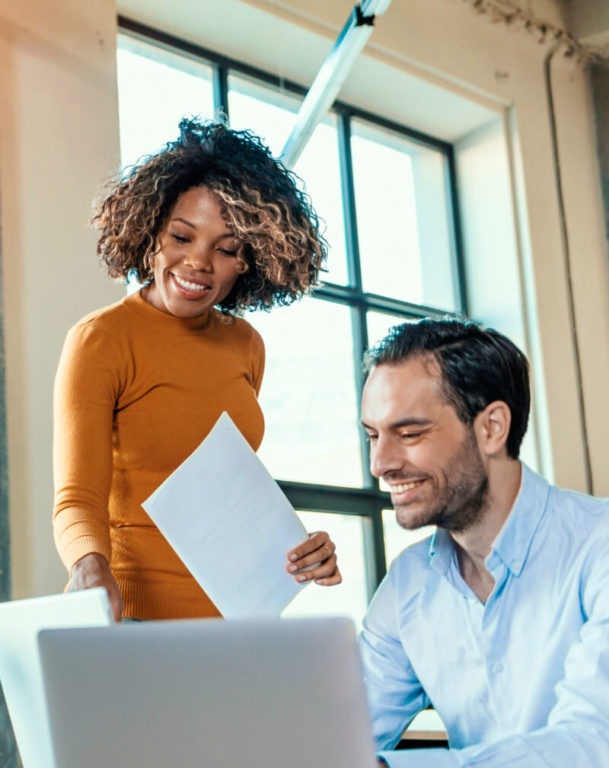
231 524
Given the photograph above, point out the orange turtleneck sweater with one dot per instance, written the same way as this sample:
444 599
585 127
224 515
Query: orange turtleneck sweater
136 391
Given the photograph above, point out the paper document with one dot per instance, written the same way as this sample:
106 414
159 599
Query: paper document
231 524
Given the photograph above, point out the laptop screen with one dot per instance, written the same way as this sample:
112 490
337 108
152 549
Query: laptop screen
255 693
20 672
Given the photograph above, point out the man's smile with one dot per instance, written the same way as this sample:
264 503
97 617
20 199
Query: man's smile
403 487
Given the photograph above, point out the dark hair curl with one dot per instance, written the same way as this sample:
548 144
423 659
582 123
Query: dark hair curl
478 366
272 218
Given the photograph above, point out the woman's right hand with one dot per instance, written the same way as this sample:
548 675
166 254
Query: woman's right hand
93 570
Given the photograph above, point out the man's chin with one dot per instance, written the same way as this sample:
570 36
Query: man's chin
409 519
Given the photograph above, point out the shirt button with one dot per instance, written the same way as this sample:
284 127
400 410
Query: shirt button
498 667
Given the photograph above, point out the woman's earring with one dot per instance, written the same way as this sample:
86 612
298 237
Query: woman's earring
149 263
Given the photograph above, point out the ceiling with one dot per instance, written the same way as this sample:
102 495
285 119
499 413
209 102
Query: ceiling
587 20
244 32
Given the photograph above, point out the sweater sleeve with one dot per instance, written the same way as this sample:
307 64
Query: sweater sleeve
86 391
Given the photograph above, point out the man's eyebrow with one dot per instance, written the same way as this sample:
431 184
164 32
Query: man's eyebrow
411 421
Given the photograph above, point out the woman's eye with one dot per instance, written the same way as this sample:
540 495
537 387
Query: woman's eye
179 238
228 252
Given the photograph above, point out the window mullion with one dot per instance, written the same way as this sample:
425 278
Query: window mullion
220 90
348 193
358 312
373 534
374 543
454 215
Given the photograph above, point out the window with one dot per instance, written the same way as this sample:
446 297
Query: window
155 89
386 195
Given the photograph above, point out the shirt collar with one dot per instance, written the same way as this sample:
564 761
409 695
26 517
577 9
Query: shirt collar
514 540
515 537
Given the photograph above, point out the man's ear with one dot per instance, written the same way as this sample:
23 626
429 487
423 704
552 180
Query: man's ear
492 427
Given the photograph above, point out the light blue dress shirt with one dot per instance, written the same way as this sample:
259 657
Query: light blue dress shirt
520 681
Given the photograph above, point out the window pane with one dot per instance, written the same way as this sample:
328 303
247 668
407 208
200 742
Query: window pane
379 325
309 394
405 240
266 111
155 90
398 538
271 114
318 166
348 598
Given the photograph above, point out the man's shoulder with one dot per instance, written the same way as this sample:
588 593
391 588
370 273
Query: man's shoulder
576 503
414 558
578 518
561 502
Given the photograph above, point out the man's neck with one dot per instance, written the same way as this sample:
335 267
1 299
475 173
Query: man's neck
474 544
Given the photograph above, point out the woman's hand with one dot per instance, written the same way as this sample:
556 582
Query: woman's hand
93 570
315 560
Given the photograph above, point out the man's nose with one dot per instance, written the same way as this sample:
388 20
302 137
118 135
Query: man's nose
384 456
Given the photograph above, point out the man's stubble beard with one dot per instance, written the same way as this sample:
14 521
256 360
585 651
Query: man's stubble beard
463 499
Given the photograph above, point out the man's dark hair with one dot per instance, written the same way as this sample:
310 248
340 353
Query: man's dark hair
478 365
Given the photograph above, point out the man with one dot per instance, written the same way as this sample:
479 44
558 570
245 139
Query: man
500 621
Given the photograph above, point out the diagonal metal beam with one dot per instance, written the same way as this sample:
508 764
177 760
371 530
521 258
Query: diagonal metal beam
332 75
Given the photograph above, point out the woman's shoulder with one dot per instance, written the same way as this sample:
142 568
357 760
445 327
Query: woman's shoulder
105 317
102 328
237 325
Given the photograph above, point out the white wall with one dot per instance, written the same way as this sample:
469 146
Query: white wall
58 124
431 63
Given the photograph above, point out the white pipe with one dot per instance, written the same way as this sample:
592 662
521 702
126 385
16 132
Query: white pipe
331 76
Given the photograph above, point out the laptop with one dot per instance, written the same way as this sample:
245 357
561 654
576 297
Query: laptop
20 671
241 693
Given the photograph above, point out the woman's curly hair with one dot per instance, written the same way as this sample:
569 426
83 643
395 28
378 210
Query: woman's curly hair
282 246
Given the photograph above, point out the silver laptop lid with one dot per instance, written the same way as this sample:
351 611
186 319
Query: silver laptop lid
20 672
224 694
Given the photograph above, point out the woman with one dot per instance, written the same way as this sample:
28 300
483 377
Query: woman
211 225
